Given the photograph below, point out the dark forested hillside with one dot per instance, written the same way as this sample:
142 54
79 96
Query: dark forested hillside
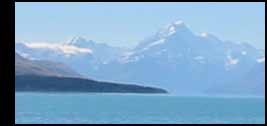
66 84
49 76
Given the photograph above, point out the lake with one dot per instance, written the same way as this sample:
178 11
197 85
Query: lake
90 108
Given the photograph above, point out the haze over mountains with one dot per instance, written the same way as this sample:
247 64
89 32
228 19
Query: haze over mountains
174 58
24 66
48 76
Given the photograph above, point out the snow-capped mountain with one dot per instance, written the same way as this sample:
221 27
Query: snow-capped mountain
251 83
70 55
82 55
174 58
102 52
182 62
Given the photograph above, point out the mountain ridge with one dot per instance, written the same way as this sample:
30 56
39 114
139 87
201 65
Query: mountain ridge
174 58
46 76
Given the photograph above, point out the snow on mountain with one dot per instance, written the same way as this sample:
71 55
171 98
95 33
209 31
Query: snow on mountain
83 55
179 60
261 60
173 58
73 56
251 82
177 27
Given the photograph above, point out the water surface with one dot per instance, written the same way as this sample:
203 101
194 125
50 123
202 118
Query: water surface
89 108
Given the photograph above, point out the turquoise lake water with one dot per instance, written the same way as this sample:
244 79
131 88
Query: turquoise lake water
80 108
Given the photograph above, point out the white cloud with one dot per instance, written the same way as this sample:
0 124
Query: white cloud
66 49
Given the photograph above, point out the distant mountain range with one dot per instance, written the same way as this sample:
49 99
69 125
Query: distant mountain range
46 76
24 66
173 58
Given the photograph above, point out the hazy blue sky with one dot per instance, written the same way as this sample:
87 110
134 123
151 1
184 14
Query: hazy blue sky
128 23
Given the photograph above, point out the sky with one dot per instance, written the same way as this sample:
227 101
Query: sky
126 24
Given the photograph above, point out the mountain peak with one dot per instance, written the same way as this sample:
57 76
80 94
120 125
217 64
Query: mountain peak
176 25
173 28
80 42
76 39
